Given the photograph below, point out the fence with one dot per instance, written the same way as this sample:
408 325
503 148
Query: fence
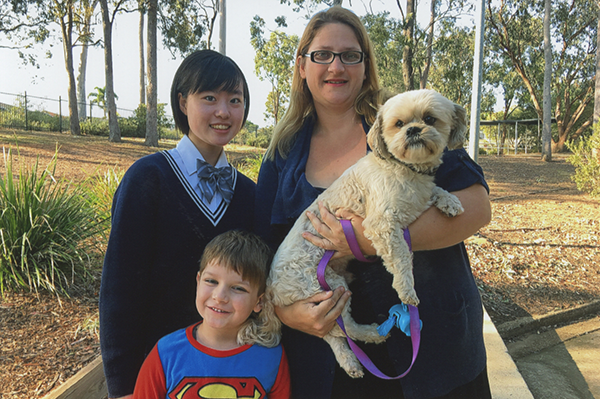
522 135
24 111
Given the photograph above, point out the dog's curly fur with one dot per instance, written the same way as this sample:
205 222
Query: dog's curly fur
390 187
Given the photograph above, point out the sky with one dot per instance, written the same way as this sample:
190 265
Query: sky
50 80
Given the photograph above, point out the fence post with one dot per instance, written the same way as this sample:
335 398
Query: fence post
59 114
26 122
516 136
498 138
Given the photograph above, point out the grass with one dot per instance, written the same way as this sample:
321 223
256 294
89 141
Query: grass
45 227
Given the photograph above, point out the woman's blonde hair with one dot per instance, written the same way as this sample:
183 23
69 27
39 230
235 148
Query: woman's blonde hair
301 102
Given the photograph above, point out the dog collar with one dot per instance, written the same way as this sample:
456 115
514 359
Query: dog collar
427 171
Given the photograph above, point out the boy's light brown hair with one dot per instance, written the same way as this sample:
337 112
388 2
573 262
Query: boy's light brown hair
243 252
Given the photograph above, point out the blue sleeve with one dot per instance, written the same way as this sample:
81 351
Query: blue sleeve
266 190
458 171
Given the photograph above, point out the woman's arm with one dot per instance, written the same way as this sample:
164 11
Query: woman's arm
430 231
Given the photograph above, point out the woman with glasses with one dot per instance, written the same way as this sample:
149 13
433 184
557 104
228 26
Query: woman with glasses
334 99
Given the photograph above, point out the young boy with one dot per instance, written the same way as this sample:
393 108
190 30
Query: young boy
209 359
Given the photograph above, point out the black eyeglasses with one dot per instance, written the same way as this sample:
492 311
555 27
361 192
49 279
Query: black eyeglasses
326 57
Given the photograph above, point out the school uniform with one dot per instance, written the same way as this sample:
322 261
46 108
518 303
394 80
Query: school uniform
160 227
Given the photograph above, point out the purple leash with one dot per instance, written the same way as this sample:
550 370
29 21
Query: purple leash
415 324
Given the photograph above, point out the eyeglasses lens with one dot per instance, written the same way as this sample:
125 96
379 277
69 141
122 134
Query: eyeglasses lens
327 57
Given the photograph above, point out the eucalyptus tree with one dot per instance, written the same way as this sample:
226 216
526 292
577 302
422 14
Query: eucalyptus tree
152 74
517 33
142 12
29 23
597 76
187 25
85 9
274 61
547 95
109 12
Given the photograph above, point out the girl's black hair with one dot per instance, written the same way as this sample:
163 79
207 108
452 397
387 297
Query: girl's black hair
206 70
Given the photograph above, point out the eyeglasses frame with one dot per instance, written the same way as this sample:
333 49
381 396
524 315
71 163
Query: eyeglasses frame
339 55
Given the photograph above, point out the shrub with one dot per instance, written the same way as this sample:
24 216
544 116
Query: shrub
586 159
99 192
44 230
94 127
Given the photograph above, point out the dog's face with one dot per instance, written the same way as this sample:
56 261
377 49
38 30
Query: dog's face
415 127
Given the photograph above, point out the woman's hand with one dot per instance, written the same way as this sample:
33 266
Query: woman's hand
332 233
315 315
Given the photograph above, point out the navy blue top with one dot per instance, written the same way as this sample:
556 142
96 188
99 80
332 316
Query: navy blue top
452 350
159 230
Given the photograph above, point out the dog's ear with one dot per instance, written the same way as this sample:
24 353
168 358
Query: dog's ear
459 128
375 138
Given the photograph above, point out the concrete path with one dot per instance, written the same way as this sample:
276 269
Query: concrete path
562 363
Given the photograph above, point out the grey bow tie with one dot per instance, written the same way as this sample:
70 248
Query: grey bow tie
213 180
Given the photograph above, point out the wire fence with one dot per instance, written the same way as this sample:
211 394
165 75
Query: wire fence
29 112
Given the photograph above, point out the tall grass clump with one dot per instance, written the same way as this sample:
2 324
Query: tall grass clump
249 165
586 159
99 192
45 225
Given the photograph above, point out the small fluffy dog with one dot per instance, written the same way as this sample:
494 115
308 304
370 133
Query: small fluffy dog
390 187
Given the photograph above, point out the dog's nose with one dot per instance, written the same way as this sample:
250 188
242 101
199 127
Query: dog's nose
413 131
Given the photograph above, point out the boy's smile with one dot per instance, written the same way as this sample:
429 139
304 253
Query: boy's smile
225 301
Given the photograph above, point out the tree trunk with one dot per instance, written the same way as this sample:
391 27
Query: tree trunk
85 34
597 78
407 53
547 102
114 134
152 95
81 82
425 75
142 59
67 34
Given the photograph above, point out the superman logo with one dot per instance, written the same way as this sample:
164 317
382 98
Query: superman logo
218 388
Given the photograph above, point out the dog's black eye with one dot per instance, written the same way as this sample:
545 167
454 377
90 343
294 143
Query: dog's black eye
399 123
429 120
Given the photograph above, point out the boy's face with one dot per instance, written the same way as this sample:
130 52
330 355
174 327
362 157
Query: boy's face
214 118
224 299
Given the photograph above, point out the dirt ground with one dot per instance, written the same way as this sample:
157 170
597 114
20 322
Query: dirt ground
540 253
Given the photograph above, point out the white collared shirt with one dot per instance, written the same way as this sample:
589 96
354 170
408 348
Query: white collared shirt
185 155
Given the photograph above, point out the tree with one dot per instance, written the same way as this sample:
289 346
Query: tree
24 23
142 11
405 51
274 61
385 34
547 102
63 13
152 92
108 19
597 75
86 11
99 98
187 25
517 33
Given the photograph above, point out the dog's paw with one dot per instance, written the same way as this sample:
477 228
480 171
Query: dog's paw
376 338
353 368
448 203
410 298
